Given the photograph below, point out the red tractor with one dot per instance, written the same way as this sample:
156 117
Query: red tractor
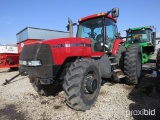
78 63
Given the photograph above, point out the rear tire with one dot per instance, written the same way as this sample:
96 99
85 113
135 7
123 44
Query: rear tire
158 84
158 71
45 90
82 84
133 64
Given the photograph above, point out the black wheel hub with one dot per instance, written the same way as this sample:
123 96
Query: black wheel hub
91 85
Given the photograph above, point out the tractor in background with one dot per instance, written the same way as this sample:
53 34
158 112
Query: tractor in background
78 63
144 39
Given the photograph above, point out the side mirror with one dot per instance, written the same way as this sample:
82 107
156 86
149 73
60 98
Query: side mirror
115 12
154 38
67 27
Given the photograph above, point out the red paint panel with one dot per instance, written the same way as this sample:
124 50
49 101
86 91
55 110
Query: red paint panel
28 41
116 45
60 54
96 16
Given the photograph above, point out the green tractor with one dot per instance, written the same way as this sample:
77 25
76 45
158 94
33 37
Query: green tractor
140 46
145 38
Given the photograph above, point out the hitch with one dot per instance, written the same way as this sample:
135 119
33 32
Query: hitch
7 81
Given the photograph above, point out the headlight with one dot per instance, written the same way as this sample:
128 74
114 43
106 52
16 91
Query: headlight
22 62
30 62
34 63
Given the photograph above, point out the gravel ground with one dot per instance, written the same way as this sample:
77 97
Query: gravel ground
19 101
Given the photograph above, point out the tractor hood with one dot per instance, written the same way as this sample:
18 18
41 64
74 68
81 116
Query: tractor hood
41 58
44 58
66 47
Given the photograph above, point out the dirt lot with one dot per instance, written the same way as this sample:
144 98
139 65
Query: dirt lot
19 101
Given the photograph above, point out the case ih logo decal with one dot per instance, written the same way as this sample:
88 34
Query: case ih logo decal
71 45
59 46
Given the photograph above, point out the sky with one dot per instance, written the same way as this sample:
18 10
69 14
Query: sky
15 15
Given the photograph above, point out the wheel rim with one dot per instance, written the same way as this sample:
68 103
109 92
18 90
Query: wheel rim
90 85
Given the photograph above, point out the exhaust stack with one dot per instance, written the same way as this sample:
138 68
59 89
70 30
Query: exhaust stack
70 27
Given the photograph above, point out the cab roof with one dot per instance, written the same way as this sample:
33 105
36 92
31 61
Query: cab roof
96 16
139 28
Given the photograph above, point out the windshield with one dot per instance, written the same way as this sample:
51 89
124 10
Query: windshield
138 36
93 29
90 28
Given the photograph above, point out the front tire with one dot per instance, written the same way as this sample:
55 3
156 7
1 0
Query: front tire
45 90
133 64
82 84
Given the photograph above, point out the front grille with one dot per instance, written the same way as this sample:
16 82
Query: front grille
40 52
29 51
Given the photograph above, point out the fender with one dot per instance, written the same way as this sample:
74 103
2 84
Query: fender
116 45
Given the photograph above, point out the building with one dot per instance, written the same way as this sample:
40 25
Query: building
31 35
39 34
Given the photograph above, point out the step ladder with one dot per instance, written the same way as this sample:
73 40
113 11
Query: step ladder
117 72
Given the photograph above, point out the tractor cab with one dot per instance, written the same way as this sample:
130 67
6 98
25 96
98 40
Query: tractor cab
100 28
140 35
